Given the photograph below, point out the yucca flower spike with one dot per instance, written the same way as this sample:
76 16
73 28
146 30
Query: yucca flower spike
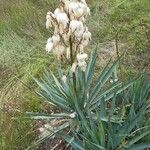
71 35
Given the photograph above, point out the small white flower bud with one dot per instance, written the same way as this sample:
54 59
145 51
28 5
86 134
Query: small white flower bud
116 80
64 78
73 115
112 81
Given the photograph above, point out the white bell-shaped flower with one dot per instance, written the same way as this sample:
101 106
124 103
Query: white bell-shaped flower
55 39
72 6
87 34
82 65
49 45
75 26
82 57
86 9
49 20
62 19
86 38
78 9
57 11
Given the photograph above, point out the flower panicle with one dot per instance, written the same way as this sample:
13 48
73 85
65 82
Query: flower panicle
71 35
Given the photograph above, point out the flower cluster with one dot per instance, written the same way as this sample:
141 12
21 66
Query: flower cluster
71 35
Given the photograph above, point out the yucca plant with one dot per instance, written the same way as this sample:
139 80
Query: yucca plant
95 114
128 132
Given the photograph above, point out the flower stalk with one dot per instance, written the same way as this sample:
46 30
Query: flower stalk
71 35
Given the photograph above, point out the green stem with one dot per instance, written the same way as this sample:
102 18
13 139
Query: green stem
72 61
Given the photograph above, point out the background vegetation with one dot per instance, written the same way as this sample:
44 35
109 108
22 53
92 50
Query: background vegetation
22 55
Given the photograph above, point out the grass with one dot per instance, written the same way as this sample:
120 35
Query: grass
23 36
22 41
